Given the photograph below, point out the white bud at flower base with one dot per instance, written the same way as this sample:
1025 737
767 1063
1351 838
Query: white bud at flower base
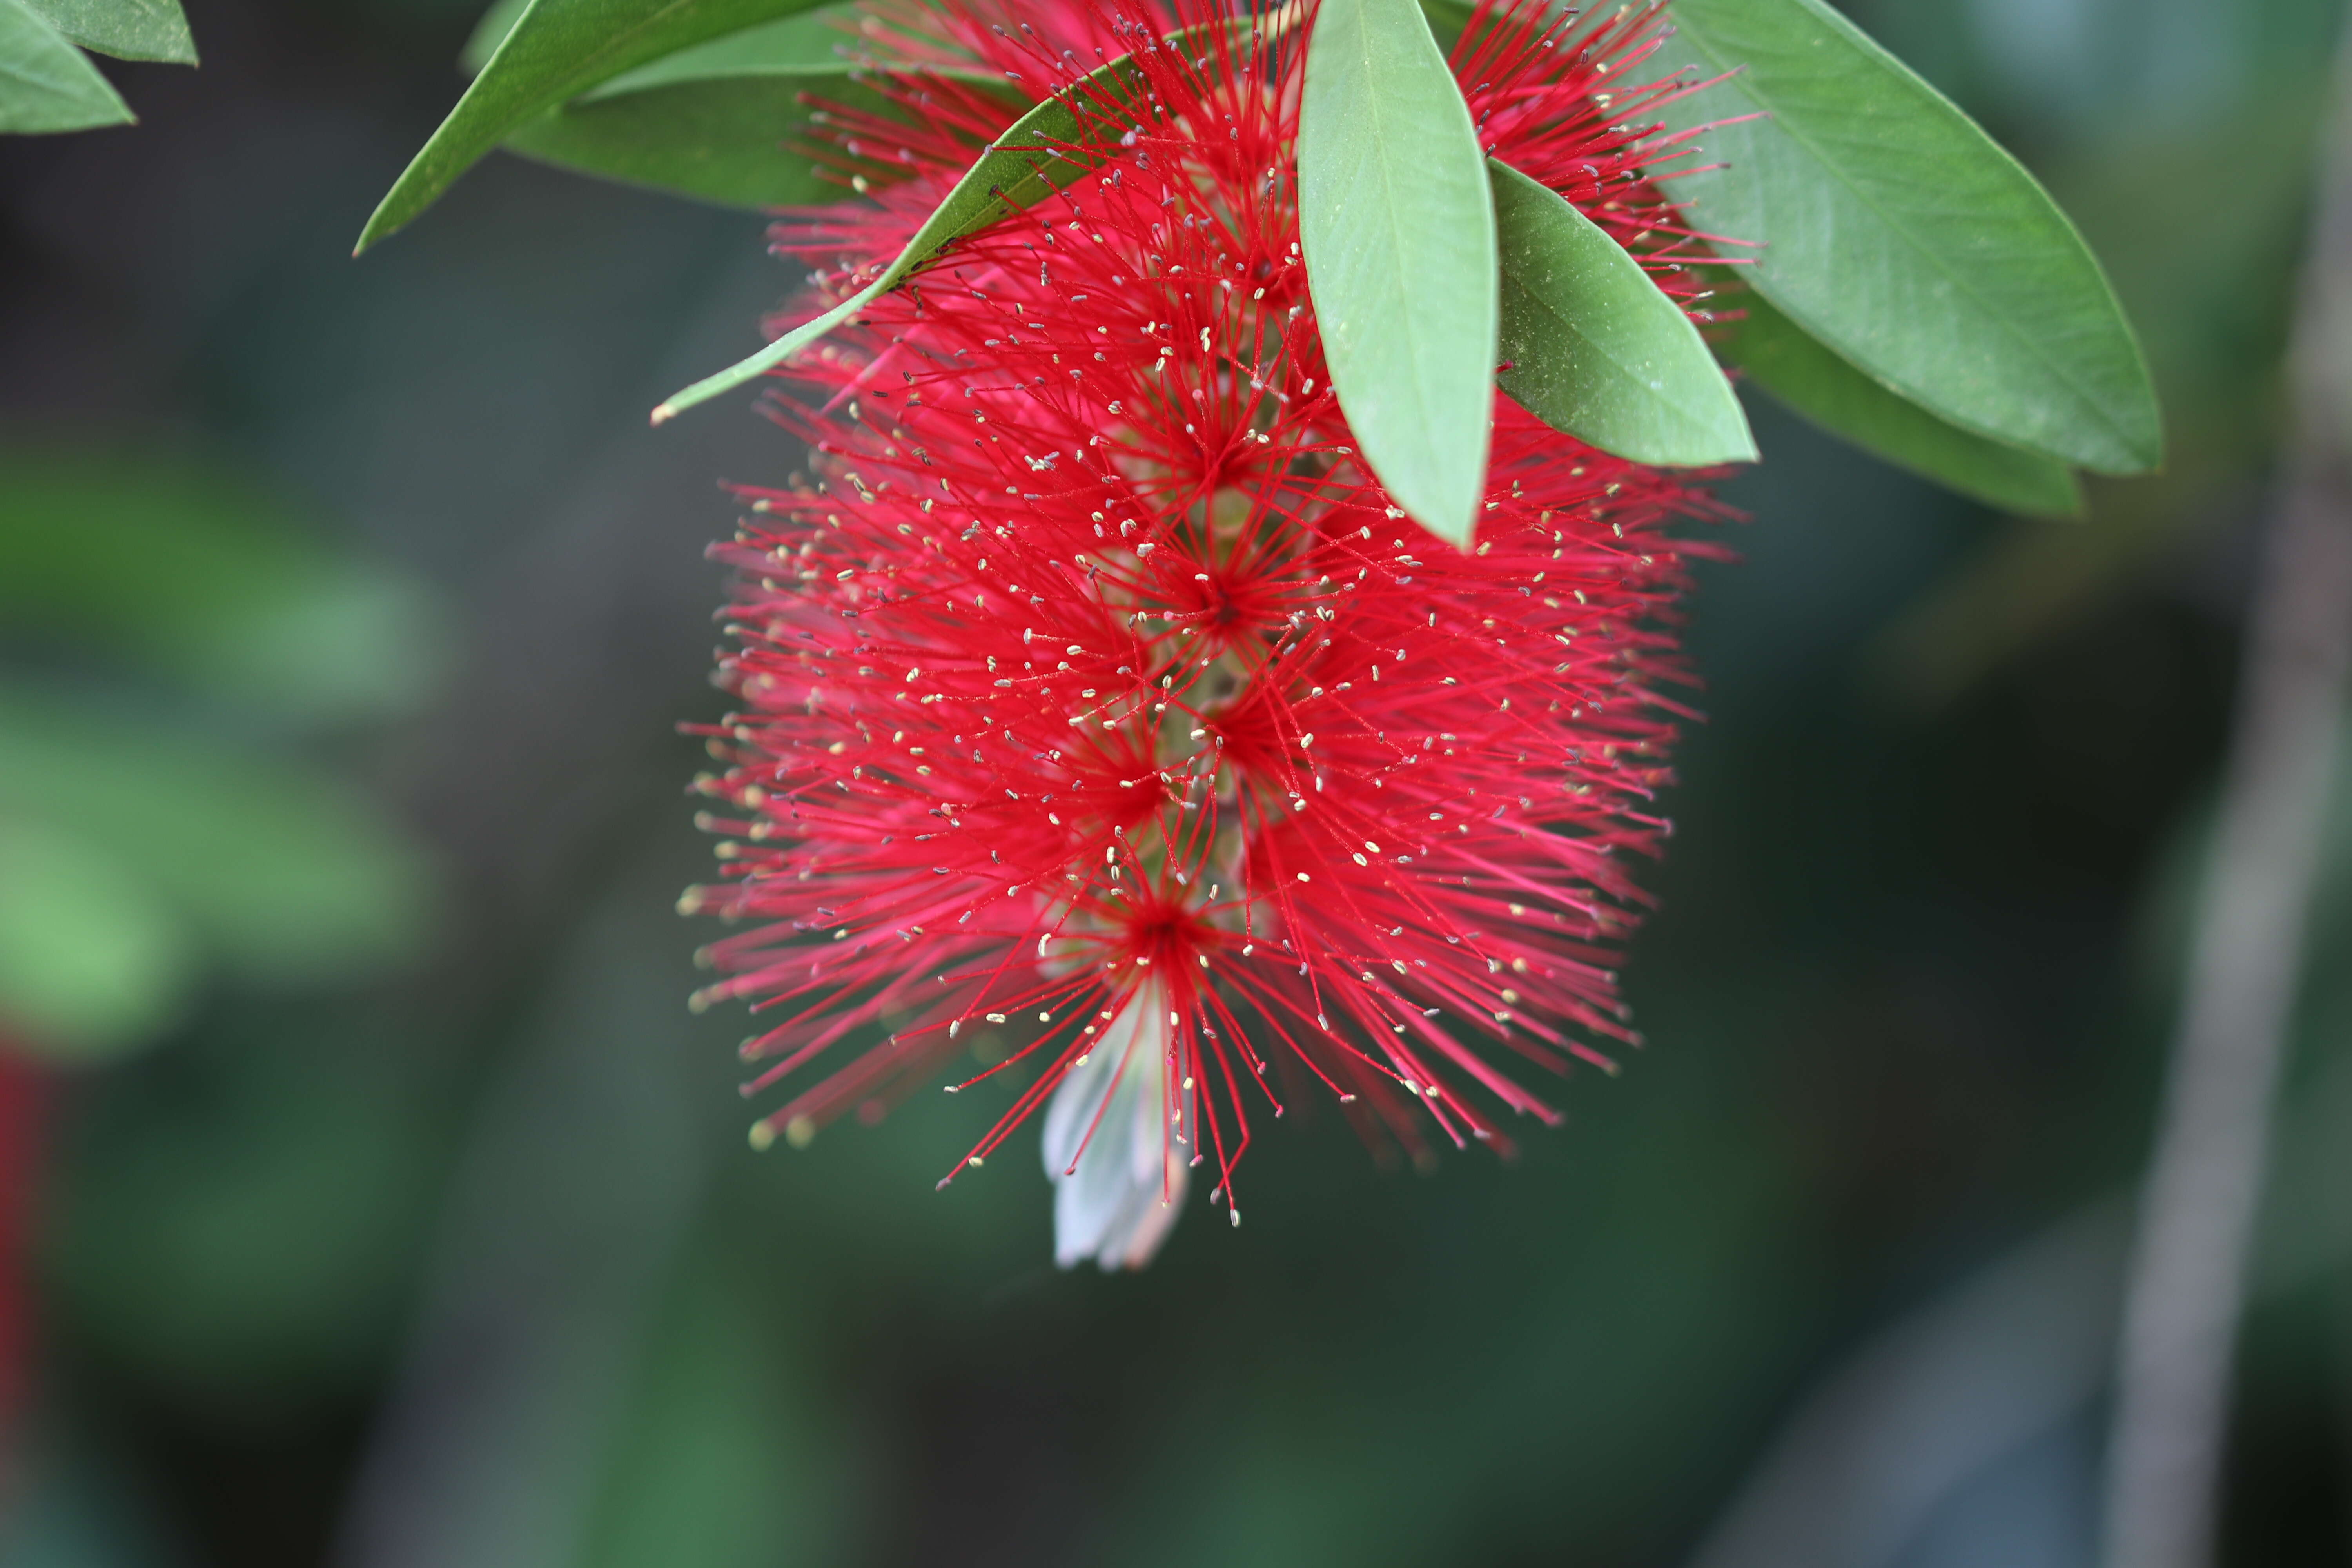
1112 1141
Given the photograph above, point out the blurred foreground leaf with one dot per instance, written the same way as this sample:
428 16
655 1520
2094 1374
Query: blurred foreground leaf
93 960
281 873
45 84
206 577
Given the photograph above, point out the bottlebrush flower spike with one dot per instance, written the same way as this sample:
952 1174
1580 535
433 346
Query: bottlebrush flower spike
1099 714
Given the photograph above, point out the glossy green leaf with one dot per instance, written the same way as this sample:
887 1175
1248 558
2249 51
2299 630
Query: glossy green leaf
1779 357
1595 349
46 84
1397 234
182 568
1033 155
282 874
1890 228
93 961
716 120
557 51
127 29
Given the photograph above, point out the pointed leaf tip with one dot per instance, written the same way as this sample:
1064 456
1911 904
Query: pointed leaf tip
556 50
1596 349
1037 154
152 30
47 85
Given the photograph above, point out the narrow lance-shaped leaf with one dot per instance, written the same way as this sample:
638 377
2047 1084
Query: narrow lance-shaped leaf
1890 227
1397 234
46 84
556 50
1823 387
714 121
127 29
1595 348
1037 153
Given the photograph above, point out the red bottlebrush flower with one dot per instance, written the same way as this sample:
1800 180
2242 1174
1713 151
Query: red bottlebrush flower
1098 711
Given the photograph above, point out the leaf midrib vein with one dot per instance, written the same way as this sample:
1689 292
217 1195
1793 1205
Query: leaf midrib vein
1402 297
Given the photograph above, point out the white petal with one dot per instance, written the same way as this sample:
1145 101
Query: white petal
1070 1116
1113 1117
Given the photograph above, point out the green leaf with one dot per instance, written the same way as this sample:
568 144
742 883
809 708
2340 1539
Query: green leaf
1595 349
1890 228
195 573
713 121
1447 19
92 960
127 29
1397 229
557 51
814 42
489 33
46 84
1037 154
832 43
284 875
718 141
1779 357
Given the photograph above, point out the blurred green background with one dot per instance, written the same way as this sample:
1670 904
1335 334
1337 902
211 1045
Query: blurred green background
385 1206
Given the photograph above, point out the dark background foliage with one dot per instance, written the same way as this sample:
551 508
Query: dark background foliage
458 1256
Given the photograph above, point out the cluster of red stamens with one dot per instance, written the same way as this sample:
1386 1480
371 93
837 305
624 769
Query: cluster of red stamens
1092 675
